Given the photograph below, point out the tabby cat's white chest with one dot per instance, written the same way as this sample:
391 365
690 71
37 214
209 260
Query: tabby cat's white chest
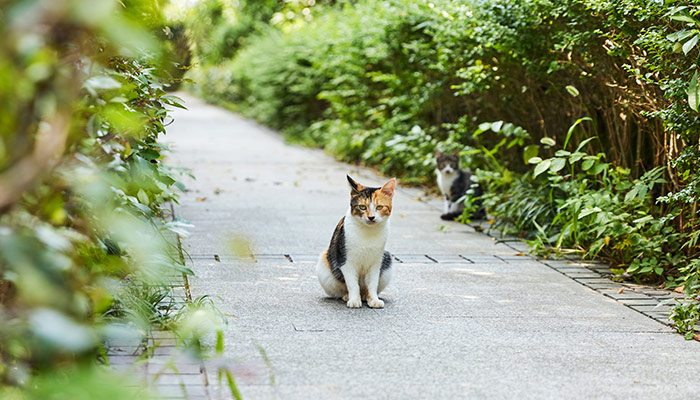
445 181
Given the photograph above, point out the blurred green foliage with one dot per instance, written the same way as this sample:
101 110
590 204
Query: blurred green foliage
86 238
386 82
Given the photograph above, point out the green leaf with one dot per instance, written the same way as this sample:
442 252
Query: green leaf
572 90
587 164
100 83
562 153
631 195
149 154
219 342
687 46
531 152
598 168
680 35
143 197
684 18
694 92
557 164
496 126
534 160
576 156
483 127
588 211
232 385
179 227
183 269
585 142
547 141
572 128
542 166
642 220
60 331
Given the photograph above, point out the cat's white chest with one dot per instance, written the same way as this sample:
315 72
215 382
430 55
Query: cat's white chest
365 246
445 182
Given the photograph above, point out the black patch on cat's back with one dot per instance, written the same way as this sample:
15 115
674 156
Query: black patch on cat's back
458 189
459 186
337 253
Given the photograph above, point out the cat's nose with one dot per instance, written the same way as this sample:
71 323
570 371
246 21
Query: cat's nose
371 218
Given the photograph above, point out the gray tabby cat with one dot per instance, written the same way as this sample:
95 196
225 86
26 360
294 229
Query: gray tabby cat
454 184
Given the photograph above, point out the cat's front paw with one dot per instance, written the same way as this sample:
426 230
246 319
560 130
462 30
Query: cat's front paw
375 303
355 303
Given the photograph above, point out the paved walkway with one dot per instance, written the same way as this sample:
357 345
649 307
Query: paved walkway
465 317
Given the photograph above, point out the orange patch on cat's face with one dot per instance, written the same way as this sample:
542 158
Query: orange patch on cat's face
381 199
377 204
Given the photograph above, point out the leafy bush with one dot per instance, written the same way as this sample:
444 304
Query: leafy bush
385 83
85 238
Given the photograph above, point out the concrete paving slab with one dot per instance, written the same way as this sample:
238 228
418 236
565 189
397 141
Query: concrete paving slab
493 326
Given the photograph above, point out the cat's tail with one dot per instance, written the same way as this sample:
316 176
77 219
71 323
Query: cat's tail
330 284
477 215
451 215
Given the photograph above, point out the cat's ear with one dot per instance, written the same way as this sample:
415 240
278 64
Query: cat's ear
388 188
437 153
456 153
356 187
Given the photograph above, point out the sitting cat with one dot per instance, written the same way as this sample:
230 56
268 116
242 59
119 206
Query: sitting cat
355 265
454 184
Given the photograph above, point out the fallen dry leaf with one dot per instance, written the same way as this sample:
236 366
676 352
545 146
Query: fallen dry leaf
519 254
622 290
216 257
217 191
200 199
679 289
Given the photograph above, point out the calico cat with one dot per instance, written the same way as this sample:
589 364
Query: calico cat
355 265
454 183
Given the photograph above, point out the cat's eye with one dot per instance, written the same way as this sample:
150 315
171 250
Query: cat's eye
380 207
362 207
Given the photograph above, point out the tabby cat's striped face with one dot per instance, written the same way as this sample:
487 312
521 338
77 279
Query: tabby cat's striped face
371 206
447 163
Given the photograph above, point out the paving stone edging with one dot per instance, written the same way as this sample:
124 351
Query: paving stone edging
653 302
154 360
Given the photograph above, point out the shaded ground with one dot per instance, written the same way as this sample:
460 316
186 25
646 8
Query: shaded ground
472 319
